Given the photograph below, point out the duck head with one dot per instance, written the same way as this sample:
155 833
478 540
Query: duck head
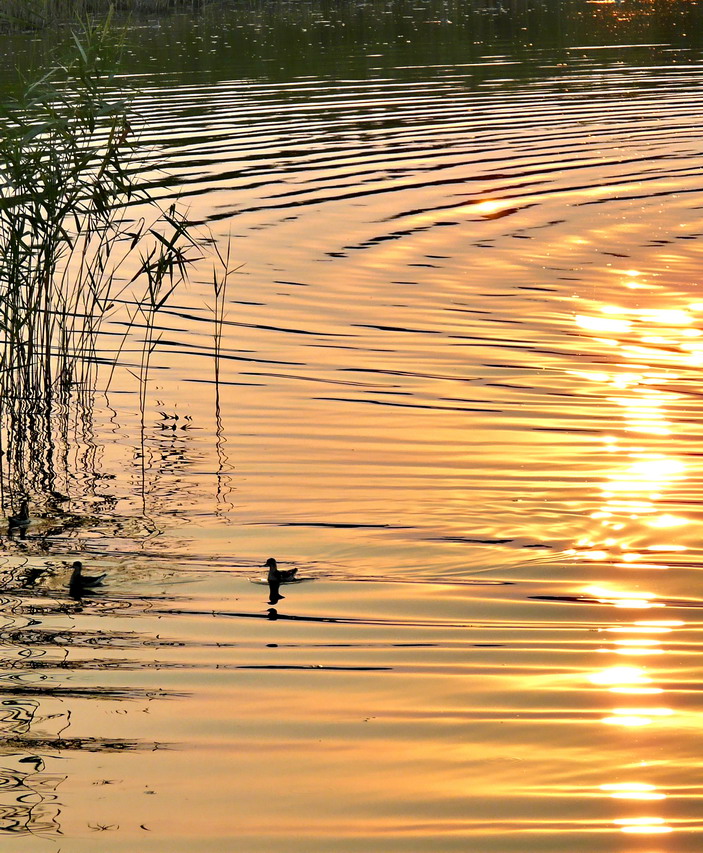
271 564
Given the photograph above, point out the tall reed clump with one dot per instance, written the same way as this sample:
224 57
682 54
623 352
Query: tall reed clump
68 188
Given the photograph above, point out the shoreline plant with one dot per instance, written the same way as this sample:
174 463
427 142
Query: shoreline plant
80 240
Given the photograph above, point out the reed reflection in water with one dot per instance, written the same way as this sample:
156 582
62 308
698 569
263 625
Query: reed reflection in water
459 390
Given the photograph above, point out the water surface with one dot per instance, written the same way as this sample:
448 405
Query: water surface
459 391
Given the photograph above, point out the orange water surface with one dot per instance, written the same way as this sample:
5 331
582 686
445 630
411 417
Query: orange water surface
460 391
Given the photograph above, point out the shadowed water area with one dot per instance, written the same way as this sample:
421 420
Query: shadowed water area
460 391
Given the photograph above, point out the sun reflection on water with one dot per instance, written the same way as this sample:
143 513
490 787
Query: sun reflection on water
662 341
621 598
643 825
633 791
641 480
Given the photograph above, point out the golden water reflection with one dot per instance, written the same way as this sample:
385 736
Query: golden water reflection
633 791
640 482
639 487
643 825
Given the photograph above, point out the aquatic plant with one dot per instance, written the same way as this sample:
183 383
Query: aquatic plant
69 237
221 272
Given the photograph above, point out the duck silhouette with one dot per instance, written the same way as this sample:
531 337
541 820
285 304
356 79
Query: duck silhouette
79 582
275 578
21 521
277 575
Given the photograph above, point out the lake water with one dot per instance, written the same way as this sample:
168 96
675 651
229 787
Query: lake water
460 391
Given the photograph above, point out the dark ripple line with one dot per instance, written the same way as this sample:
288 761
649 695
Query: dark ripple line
318 666
409 405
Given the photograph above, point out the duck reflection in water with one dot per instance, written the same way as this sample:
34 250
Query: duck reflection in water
276 577
274 595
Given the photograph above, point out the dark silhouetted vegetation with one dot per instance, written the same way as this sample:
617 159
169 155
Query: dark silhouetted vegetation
36 14
72 253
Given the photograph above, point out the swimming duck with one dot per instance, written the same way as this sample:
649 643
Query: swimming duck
20 521
277 575
80 582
